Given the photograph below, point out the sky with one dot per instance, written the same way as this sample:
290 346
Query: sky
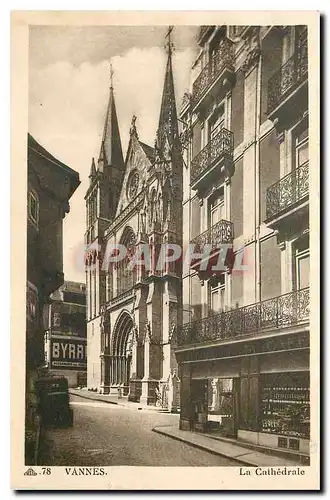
69 77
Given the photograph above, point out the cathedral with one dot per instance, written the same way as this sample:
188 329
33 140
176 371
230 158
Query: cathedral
132 313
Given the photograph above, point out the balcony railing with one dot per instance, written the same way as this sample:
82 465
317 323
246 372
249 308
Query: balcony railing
286 192
219 234
221 59
278 312
221 145
288 77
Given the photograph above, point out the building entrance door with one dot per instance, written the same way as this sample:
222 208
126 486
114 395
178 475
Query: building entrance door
199 404
215 405
222 406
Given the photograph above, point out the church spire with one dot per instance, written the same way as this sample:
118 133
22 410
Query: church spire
168 120
111 151
92 173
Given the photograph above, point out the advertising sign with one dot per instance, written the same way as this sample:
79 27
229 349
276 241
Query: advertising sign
68 353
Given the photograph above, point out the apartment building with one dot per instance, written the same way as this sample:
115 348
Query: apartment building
243 348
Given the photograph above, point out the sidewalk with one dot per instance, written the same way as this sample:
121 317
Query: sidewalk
242 455
114 400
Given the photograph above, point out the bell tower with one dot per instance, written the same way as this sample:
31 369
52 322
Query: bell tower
102 196
165 181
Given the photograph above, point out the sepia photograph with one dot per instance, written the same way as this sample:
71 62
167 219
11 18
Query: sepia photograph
168 270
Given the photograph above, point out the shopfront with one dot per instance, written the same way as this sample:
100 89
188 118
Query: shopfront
261 396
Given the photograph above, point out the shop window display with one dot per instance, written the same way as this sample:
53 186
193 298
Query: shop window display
285 400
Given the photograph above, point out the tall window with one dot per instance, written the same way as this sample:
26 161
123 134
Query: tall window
90 302
126 276
87 295
216 207
33 207
300 175
108 287
301 263
95 290
214 48
288 44
217 295
301 147
216 122
92 211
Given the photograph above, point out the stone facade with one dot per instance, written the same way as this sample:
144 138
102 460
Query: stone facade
247 159
50 187
132 314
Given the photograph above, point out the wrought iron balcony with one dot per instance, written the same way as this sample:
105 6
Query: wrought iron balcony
286 193
222 62
219 234
279 312
288 77
220 148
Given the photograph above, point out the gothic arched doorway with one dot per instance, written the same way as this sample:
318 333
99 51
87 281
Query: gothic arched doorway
122 352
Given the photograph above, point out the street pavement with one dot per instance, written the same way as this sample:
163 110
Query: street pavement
104 435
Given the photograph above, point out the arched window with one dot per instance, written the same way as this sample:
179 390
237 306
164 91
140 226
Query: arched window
166 199
126 277
153 206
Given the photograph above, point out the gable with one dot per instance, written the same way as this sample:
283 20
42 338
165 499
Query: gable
138 160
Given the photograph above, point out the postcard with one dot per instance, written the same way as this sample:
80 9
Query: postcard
165 250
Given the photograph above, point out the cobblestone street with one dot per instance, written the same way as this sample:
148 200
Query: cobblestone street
105 435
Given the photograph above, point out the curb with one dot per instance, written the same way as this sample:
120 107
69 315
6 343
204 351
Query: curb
204 448
122 404
93 399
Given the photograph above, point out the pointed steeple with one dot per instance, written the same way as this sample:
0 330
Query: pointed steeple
111 151
168 120
92 173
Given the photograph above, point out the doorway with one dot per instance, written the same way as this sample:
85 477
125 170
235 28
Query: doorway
223 406
215 405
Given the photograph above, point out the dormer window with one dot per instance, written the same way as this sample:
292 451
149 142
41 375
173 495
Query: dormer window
33 207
